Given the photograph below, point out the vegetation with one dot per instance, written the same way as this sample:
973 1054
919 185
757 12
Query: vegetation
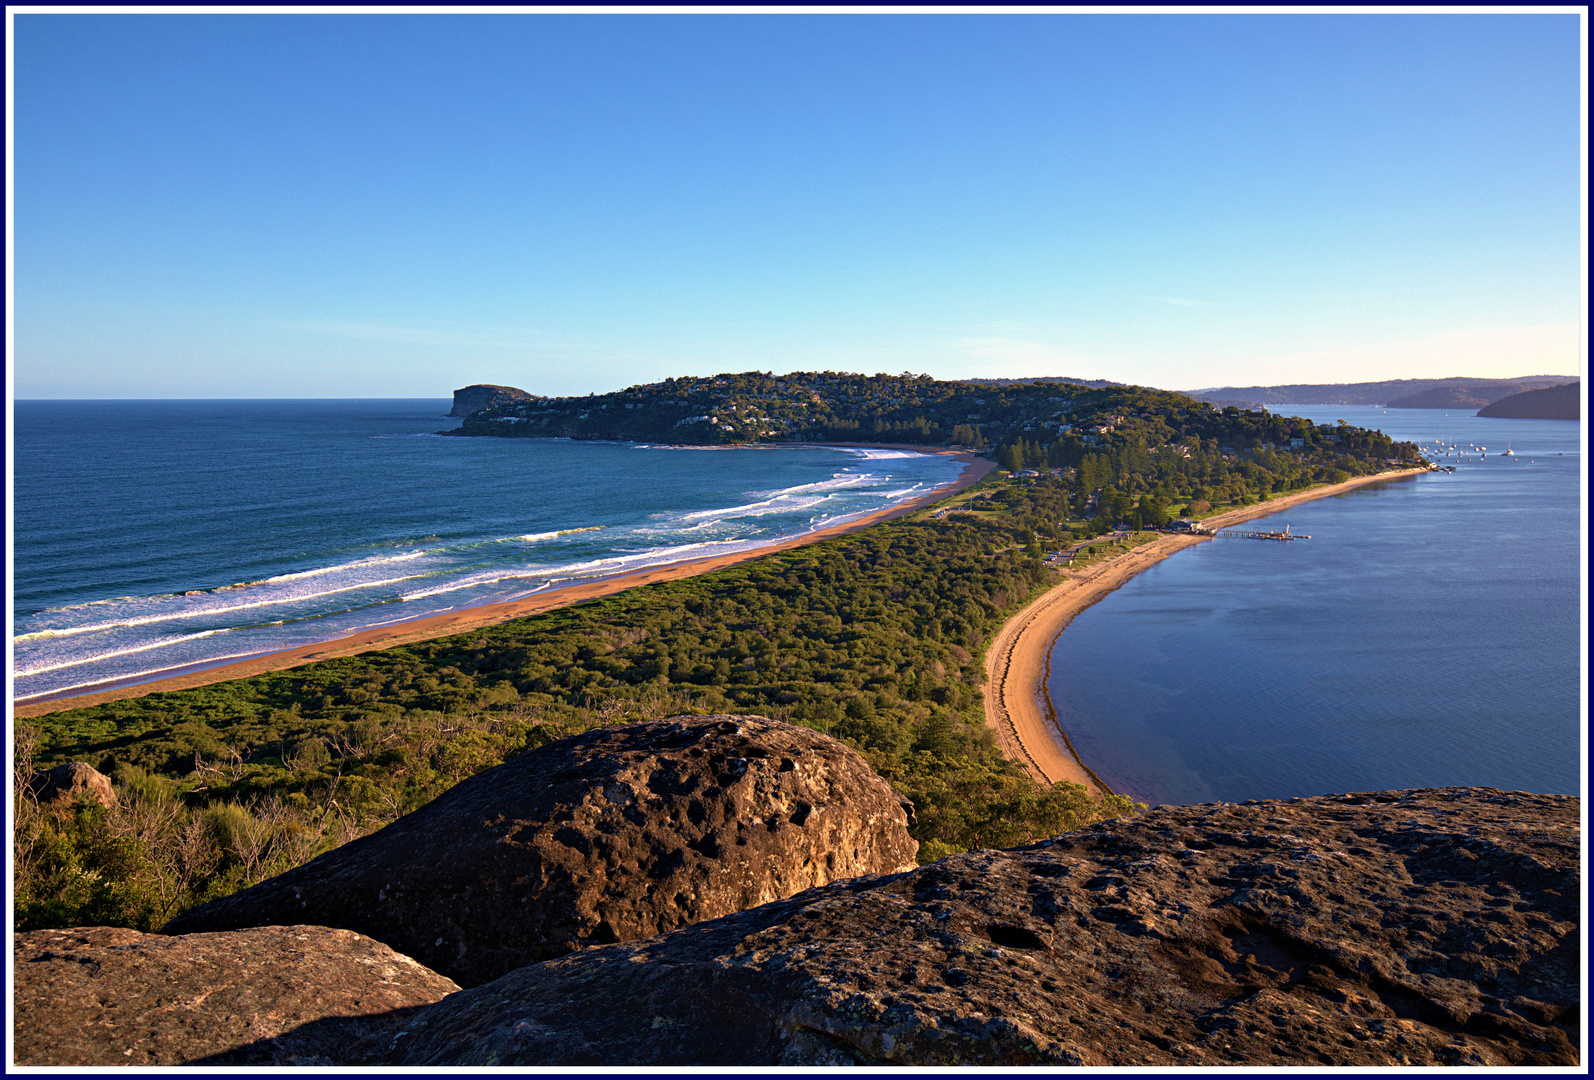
876 638
1131 434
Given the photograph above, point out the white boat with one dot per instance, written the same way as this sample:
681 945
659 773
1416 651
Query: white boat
1507 452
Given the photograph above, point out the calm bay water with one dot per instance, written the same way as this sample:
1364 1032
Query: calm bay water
1428 634
152 535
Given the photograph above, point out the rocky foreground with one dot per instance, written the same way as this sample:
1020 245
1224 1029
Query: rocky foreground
1417 927
620 833
1421 927
276 995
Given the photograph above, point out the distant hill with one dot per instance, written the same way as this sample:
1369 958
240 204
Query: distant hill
1454 397
1555 403
1375 393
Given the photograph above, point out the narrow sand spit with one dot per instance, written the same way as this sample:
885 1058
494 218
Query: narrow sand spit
1017 705
474 618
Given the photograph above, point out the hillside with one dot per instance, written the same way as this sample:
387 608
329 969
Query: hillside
1035 425
1452 397
1555 403
1385 393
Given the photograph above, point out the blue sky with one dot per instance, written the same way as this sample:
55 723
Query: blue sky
396 206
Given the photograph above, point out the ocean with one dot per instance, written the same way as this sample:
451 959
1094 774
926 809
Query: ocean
156 536
1428 634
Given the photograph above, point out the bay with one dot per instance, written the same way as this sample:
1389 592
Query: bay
1428 634
154 535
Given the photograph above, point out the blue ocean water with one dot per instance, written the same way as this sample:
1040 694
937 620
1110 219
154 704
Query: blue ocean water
157 535
1429 633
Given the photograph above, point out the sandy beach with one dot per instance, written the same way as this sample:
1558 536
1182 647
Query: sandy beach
1017 705
474 618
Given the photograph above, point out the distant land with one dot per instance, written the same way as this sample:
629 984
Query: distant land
1095 384
1556 403
756 406
481 396
1392 393
1025 424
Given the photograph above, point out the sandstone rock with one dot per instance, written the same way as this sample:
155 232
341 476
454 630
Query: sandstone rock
275 995
1420 927
469 399
617 834
62 785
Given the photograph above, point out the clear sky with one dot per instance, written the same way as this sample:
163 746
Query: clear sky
267 205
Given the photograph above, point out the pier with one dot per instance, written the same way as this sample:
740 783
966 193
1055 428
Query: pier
1259 534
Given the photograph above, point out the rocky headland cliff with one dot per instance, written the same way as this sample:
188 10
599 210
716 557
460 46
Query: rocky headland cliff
469 399
1409 927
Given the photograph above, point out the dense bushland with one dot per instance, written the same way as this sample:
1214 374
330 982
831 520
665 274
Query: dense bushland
875 638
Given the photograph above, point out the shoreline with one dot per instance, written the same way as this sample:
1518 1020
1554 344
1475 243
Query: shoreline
1018 706
427 627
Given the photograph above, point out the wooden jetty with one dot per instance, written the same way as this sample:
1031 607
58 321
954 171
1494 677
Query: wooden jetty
1259 534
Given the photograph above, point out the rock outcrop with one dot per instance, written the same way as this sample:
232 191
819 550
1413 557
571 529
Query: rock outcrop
469 399
616 834
1554 403
62 785
276 995
1419 927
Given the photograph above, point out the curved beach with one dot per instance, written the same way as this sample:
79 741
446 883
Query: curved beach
474 618
1017 705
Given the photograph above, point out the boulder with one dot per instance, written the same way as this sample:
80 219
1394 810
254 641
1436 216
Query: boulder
61 786
275 995
1398 928
616 834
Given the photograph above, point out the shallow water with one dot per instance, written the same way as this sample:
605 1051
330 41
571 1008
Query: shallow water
155 534
1427 634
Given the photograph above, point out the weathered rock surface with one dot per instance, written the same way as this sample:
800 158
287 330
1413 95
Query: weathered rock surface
469 399
1421 927
62 785
616 834
275 995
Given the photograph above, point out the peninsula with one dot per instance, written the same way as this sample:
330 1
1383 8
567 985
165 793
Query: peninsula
878 634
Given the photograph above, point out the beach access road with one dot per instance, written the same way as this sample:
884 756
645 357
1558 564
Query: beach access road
475 618
1018 705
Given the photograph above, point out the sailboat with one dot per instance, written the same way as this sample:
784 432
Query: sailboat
1507 452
